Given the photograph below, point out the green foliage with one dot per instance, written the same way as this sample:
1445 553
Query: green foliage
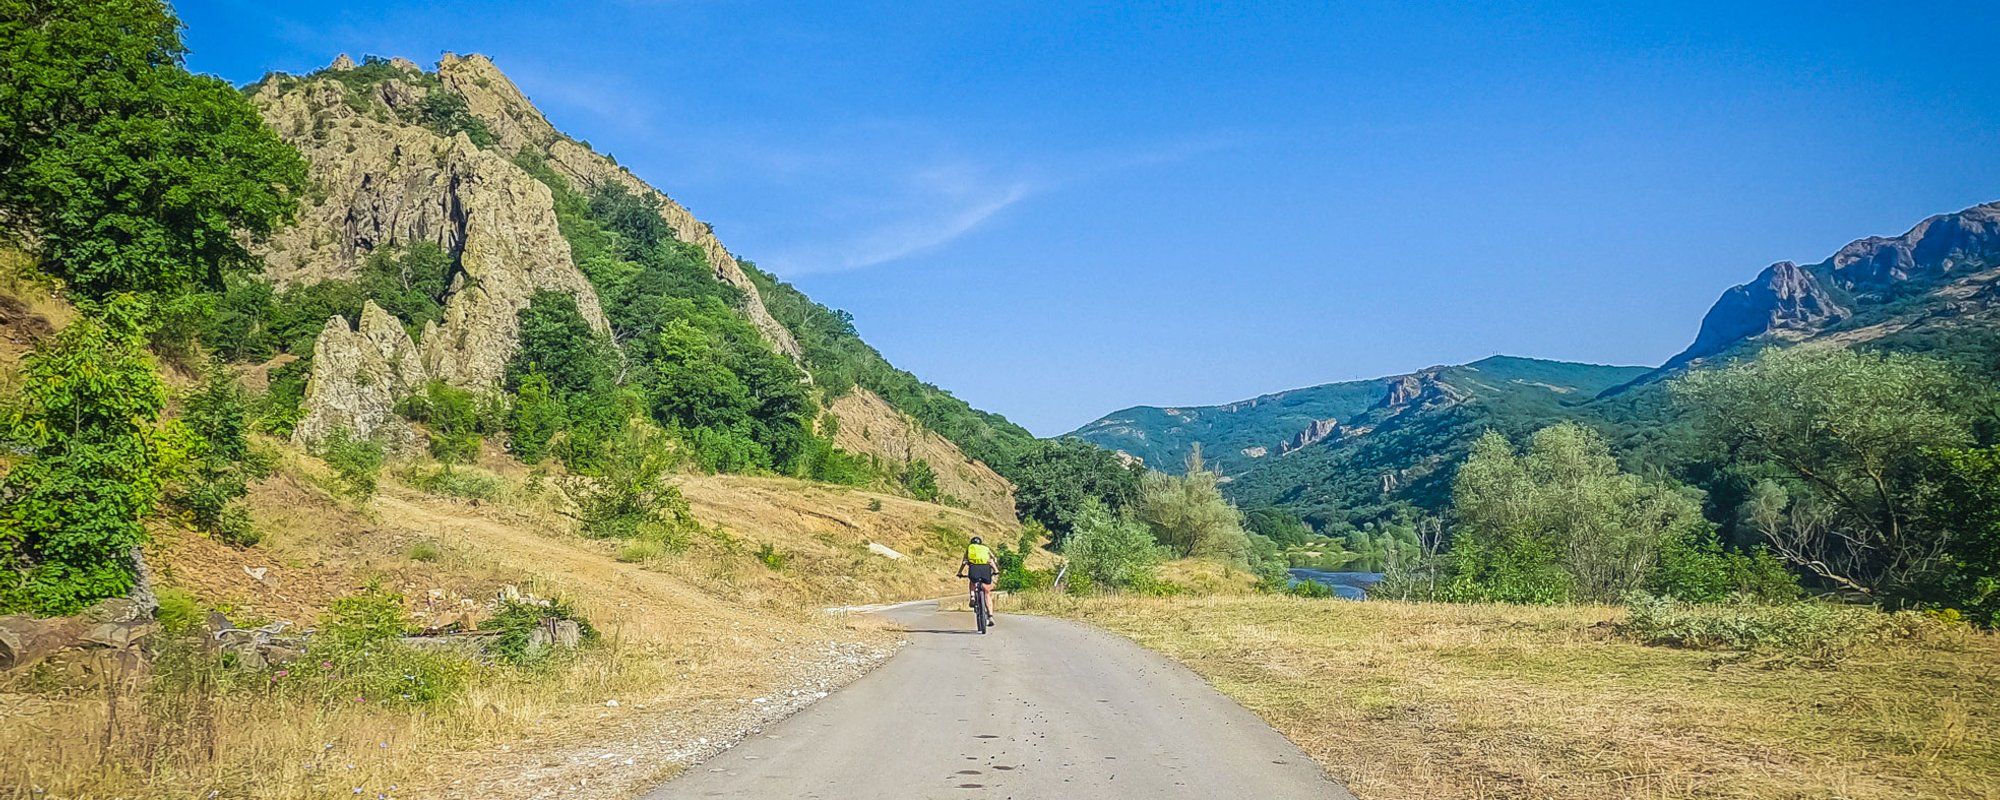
178 613
1965 503
1055 479
534 418
1418 444
516 620
466 483
770 557
356 462
628 497
1696 568
360 660
1561 522
281 407
426 551
1811 631
1282 527
1114 551
131 173
456 419
96 459
838 358
919 480
557 343
218 415
822 461
409 283
1848 432
445 113
1188 515
1313 590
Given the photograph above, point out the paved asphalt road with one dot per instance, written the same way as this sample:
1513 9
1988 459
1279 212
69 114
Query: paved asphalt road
1039 708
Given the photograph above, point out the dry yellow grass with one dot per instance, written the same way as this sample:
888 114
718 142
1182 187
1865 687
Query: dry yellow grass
1408 700
693 640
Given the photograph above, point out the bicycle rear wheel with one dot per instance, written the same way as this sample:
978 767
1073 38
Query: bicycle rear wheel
979 609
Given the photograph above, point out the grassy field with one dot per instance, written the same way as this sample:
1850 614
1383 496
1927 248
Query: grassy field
1414 700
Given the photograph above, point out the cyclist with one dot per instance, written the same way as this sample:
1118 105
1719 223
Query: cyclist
978 567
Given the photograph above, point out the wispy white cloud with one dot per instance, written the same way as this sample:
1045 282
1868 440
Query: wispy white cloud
936 204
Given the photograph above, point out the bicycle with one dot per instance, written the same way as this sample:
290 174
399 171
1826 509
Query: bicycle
981 615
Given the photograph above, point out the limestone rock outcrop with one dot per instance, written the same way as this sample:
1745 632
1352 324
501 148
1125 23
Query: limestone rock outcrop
516 124
1315 432
358 374
379 183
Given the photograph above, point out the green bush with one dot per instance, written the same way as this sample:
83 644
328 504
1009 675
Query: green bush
356 657
516 622
178 612
97 457
919 479
628 497
456 419
1310 589
1114 551
1809 630
462 482
355 461
770 557
534 419
426 551
218 414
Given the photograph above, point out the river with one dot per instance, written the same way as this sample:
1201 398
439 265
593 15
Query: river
1348 585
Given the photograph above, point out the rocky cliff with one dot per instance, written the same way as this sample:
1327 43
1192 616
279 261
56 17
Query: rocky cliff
1861 285
400 156
381 182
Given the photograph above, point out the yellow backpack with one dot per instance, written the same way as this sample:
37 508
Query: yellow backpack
978 554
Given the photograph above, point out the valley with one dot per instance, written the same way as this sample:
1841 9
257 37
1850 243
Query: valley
365 433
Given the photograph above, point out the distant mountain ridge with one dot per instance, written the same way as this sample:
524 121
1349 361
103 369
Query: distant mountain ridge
1356 449
1237 437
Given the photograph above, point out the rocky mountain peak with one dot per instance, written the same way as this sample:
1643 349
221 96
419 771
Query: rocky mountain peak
1789 301
1784 297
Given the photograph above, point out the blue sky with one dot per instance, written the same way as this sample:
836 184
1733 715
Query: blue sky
1057 210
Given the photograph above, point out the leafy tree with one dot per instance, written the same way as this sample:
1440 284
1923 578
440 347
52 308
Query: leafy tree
558 343
1188 514
218 415
629 496
534 419
1111 550
1849 432
1053 479
456 419
409 282
129 172
1965 503
1561 522
96 459
920 480
1283 528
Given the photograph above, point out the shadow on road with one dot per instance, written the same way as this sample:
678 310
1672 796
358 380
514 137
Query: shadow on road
938 630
